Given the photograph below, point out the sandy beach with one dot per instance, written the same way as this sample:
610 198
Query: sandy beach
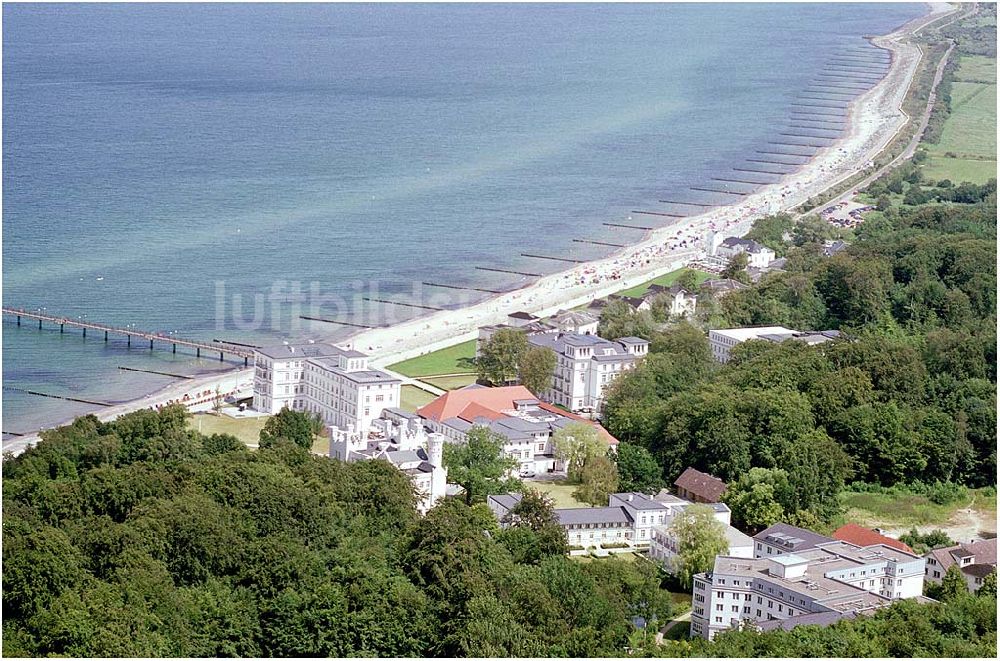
874 119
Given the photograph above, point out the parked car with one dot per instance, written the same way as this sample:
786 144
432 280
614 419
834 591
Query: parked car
527 472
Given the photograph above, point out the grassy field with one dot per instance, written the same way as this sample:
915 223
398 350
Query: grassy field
560 492
968 146
245 429
411 398
901 510
450 360
666 279
450 382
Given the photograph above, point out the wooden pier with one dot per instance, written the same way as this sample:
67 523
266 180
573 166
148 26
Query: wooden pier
223 348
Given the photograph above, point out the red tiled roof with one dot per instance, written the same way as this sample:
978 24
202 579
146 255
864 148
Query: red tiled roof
452 404
861 536
474 402
701 484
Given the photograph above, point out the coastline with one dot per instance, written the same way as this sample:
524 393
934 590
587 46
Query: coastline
873 120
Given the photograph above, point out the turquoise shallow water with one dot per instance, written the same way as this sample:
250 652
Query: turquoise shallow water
162 162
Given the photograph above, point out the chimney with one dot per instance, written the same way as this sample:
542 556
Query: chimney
630 496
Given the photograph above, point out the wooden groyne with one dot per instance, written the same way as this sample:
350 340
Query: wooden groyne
407 305
813 128
692 204
129 333
742 181
718 190
798 144
658 213
806 135
599 243
631 227
759 170
170 374
444 286
334 321
771 161
555 259
495 270
80 400
817 105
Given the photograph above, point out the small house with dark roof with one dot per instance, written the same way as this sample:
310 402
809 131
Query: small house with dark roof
699 487
976 560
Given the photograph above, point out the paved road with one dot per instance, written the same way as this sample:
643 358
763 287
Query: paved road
911 147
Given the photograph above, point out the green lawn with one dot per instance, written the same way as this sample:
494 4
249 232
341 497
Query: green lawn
968 146
977 67
560 492
666 279
245 429
450 382
455 359
411 398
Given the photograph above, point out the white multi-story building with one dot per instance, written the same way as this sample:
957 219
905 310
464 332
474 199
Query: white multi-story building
525 423
400 438
723 340
836 577
585 366
664 547
334 383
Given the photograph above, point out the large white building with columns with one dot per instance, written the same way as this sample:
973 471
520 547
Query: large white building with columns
334 383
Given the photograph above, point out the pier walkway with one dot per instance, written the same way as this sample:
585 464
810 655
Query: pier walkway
222 348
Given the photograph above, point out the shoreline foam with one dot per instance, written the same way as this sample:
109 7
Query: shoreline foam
874 118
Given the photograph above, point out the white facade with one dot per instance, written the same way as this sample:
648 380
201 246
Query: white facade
585 366
835 577
399 438
723 340
664 548
758 256
334 383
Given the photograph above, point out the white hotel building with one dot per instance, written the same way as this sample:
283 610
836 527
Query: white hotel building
585 366
334 383
834 579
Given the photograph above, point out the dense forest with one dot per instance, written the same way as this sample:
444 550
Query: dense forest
906 396
142 538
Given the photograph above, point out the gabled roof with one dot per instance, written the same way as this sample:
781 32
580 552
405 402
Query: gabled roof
984 552
861 536
701 484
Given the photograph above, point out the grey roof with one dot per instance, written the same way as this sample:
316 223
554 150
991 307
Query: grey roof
980 571
506 500
592 515
632 340
358 376
791 538
819 619
300 350
636 500
522 315
402 413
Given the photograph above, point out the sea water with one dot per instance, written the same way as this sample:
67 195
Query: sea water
208 170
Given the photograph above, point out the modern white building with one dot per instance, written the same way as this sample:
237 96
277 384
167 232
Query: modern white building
758 256
334 383
836 577
976 560
585 366
526 423
664 546
723 340
400 438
